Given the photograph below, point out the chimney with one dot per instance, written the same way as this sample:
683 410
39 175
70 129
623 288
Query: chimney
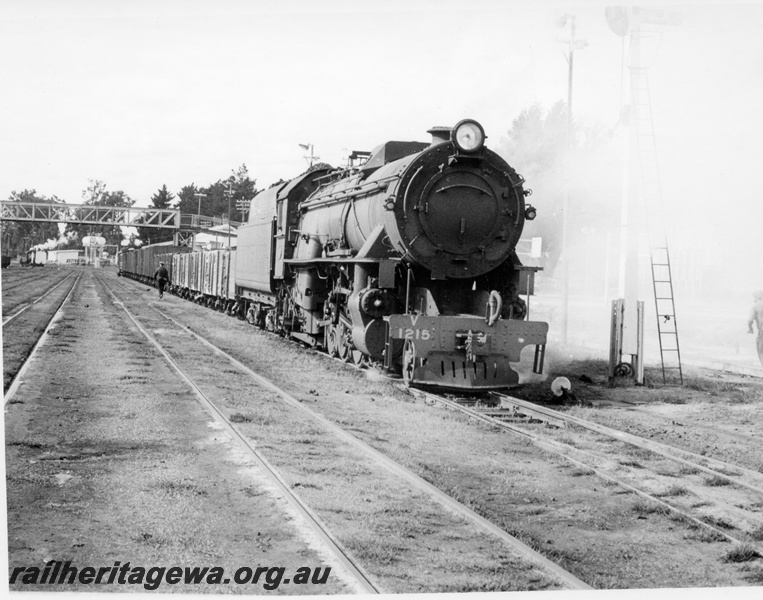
440 135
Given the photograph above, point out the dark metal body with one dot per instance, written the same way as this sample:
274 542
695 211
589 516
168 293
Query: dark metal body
408 261
335 257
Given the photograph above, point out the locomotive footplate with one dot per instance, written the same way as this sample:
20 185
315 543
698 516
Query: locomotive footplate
463 351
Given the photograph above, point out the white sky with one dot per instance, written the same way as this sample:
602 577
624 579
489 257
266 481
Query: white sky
145 93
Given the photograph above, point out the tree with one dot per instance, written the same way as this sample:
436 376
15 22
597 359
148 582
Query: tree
97 194
238 185
536 146
189 203
162 199
243 191
19 236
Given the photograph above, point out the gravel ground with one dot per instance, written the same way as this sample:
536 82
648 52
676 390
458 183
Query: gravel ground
164 488
597 532
107 461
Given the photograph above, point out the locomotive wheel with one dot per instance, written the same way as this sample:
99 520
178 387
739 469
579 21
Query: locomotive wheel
343 350
409 361
332 347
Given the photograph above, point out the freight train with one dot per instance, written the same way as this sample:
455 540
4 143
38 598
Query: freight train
407 261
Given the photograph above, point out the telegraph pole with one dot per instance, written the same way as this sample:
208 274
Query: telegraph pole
199 195
573 45
311 158
229 193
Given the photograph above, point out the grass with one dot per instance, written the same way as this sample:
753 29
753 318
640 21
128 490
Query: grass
674 400
569 440
380 552
644 507
306 440
716 481
240 418
581 472
701 503
710 386
757 534
687 470
174 488
708 536
674 490
754 575
718 522
29 443
742 553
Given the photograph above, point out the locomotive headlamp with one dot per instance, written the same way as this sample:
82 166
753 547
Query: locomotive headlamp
468 136
530 212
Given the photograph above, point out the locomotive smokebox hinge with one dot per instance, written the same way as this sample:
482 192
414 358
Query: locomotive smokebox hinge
465 159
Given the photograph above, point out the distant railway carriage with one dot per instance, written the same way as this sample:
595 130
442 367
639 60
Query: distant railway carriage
141 264
408 261
37 257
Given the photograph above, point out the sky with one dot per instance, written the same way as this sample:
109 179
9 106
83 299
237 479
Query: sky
140 94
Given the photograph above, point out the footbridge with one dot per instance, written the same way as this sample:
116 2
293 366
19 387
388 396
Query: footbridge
185 225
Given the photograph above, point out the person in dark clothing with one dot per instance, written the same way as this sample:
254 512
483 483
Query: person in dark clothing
162 276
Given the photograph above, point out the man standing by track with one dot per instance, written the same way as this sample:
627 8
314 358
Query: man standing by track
756 316
161 276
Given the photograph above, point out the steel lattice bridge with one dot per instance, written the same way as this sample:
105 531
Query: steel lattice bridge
128 216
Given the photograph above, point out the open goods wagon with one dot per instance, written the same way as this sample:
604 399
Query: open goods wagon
141 264
206 277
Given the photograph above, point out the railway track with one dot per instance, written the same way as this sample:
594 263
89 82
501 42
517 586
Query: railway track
13 282
18 358
348 562
27 305
397 470
31 279
719 429
740 500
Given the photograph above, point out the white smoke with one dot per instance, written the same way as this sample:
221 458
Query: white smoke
130 235
61 242
136 241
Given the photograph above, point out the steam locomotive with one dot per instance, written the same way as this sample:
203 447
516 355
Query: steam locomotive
407 260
